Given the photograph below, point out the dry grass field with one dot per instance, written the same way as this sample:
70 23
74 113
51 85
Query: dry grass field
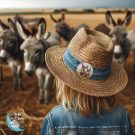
26 101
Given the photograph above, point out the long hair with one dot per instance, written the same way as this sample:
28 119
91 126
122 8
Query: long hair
73 100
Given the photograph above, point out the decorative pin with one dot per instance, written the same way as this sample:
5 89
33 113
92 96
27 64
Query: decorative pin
84 71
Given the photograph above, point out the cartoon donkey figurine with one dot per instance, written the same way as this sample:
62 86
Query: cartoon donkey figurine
34 47
10 52
64 30
117 30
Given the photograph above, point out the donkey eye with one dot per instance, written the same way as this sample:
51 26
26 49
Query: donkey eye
124 35
11 43
37 51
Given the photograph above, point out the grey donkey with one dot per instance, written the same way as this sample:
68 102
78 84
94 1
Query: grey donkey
64 30
10 52
117 30
34 47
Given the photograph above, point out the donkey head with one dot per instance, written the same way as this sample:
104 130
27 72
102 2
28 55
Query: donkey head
9 40
118 31
85 70
61 26
34 46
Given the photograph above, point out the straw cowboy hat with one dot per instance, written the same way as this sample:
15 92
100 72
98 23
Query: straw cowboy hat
86 64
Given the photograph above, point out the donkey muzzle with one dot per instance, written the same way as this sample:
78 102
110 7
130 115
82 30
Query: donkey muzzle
28 69
117 55
29 73
3 60
117 51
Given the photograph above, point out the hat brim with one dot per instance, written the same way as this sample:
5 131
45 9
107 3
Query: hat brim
99 88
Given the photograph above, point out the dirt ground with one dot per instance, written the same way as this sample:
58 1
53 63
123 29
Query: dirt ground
26 101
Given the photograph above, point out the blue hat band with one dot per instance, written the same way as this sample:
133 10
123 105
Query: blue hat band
97 73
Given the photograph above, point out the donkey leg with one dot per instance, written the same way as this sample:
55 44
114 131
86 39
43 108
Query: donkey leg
41 79
41 97
19 77
1 73
48 86
41 90
14 73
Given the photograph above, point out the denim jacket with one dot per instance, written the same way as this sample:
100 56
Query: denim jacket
62 122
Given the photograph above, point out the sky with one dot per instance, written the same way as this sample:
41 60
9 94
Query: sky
66 4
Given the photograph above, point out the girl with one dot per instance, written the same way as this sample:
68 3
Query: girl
87 82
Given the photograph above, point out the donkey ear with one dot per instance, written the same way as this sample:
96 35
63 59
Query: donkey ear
53 18
23 32
41 29
109 19
3 26
12 25
63 17
127 19
18 18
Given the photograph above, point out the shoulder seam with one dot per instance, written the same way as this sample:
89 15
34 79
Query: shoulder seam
54 109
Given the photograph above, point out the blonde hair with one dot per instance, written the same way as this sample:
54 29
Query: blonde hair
86 104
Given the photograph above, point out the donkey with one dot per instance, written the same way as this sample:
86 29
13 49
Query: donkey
117 30
64 30
10 52
34 47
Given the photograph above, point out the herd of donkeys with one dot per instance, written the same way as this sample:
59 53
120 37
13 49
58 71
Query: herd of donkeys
25 41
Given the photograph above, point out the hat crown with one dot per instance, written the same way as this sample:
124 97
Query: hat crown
92 47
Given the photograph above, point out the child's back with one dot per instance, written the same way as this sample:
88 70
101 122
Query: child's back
61 122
